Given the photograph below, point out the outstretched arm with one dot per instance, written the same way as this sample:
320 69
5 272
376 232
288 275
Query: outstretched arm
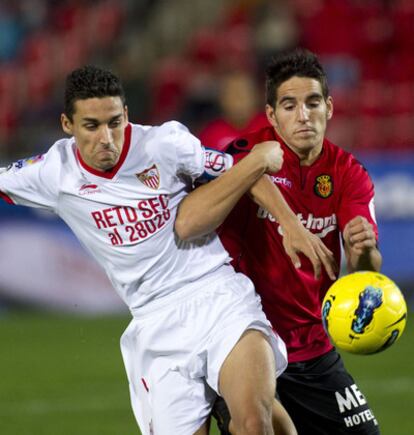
360 246
296 238
204 209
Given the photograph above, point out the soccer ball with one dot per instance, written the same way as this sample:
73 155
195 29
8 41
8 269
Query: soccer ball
364 312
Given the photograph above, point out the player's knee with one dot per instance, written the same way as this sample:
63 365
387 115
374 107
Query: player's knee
251 425
256 420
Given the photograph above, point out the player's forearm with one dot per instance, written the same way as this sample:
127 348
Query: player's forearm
204 209
369 260
268 196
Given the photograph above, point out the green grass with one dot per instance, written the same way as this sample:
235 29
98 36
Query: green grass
63 375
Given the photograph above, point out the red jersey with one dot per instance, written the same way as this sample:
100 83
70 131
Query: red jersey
220 132
325 196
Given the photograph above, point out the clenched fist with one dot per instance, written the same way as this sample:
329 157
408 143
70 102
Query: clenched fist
359 235
271 153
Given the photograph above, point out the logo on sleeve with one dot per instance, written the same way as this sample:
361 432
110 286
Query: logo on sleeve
323 186
150 177
216 163
26 162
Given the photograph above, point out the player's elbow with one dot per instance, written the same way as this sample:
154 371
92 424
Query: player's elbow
184 229
188 229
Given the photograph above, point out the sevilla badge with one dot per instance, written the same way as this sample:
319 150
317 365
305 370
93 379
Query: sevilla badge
150 177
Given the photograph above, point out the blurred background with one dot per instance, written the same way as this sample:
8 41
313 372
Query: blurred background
200 62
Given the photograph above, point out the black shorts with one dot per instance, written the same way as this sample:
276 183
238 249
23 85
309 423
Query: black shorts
322 398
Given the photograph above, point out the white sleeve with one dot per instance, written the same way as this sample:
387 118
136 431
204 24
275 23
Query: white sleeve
33 181
190 155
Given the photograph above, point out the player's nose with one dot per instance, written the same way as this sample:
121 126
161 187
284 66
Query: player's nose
105 134
303 112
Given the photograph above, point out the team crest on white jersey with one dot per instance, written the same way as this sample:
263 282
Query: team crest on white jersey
150 177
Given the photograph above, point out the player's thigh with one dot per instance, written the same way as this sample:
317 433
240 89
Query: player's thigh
238 318
166 397
180 405
248 373
323 398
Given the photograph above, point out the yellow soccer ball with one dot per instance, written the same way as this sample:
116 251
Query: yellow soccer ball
364 312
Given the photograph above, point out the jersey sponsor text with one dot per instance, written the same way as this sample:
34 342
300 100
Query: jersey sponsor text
137 223
352 399
281 180
323 225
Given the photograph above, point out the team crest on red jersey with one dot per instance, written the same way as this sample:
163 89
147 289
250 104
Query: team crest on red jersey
150 177
323 186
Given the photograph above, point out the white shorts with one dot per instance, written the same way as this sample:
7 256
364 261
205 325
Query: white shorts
174 348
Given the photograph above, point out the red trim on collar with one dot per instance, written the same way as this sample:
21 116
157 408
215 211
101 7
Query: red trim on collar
6 198
112 172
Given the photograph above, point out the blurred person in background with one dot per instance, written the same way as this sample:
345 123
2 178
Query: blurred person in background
238 104
333 196
197 325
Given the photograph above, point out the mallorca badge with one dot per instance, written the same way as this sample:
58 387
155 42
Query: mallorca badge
323 186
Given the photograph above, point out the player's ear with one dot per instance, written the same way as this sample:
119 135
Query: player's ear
271 115
329 106
126 113
66 124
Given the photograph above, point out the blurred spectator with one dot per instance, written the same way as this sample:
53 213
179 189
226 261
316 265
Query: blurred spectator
170 55
240 110
11 32
276 29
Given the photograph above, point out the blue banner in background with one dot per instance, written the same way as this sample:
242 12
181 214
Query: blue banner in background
43 265
393 177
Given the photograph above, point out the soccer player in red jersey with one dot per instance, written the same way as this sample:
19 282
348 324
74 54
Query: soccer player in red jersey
333 196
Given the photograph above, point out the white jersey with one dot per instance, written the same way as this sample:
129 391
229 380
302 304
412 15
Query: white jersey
125 217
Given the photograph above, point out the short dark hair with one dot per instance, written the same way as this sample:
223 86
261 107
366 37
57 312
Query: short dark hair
298 62
90 82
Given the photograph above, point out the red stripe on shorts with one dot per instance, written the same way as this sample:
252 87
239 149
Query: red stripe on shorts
145 384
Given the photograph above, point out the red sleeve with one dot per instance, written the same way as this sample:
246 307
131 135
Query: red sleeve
242 145
232 229
357 198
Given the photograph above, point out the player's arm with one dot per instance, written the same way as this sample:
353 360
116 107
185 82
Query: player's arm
360 245
296 238
356 218
205 208
31 182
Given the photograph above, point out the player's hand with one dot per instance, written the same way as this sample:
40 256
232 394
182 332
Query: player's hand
359 236
298 239
271 153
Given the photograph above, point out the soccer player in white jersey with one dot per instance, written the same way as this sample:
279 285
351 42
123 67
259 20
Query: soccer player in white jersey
197 329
